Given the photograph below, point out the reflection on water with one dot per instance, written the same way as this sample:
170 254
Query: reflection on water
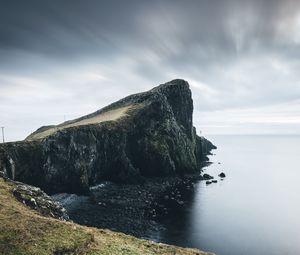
255 210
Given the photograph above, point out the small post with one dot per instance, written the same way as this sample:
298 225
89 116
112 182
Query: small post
2 134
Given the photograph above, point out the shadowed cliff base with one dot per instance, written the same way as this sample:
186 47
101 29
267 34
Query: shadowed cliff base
149 134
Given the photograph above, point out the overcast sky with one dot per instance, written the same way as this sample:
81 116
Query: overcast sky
61 59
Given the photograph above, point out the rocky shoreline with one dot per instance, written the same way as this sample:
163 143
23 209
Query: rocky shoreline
135 209
27 231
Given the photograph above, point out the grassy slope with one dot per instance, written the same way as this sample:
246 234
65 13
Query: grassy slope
105 116
24 231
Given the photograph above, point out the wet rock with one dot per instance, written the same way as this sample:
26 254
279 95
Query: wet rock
214 181
207 177
179 202
208 182
222 175
3 175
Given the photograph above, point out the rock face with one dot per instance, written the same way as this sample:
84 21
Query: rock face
38 200
143 135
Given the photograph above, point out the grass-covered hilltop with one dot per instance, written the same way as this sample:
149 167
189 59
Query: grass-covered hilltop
149 134
24 231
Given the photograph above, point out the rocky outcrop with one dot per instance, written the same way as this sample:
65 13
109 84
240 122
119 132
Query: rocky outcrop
143 135
36 199
222 175
207 177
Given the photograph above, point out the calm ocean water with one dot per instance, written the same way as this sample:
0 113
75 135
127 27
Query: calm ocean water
255 210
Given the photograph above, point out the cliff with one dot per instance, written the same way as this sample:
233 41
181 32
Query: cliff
143 135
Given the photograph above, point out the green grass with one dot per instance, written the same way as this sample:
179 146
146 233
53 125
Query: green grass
24 231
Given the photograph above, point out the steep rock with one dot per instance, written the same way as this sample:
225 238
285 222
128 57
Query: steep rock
36 199
143 135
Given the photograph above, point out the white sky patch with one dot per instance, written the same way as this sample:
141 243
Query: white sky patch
201 86
25 89
275 119
288 28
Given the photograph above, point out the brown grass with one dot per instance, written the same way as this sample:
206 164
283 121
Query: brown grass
111 115
24 231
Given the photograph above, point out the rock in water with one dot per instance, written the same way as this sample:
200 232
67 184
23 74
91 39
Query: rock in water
145 134
222 175
207 177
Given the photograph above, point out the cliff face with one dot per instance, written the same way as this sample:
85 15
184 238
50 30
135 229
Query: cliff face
146 134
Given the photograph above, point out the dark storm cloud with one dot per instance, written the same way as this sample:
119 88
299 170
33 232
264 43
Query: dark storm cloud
67 28
234 53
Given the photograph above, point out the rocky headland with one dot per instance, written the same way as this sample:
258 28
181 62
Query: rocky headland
149 134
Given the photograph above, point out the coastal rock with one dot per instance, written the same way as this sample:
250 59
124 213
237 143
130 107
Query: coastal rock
207 177
38 200
149 134
222 175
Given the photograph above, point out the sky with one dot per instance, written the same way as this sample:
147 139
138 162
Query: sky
62 59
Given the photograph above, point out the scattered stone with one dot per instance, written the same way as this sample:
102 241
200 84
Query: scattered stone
207 177
180 202
208 182
214 181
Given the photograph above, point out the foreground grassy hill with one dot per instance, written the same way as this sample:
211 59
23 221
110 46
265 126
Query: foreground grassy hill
24 231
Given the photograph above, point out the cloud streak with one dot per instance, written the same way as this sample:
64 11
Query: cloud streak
72 57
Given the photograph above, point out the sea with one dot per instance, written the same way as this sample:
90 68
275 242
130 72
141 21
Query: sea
254 210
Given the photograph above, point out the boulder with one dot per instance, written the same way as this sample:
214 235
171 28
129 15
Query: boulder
207 177
222 175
